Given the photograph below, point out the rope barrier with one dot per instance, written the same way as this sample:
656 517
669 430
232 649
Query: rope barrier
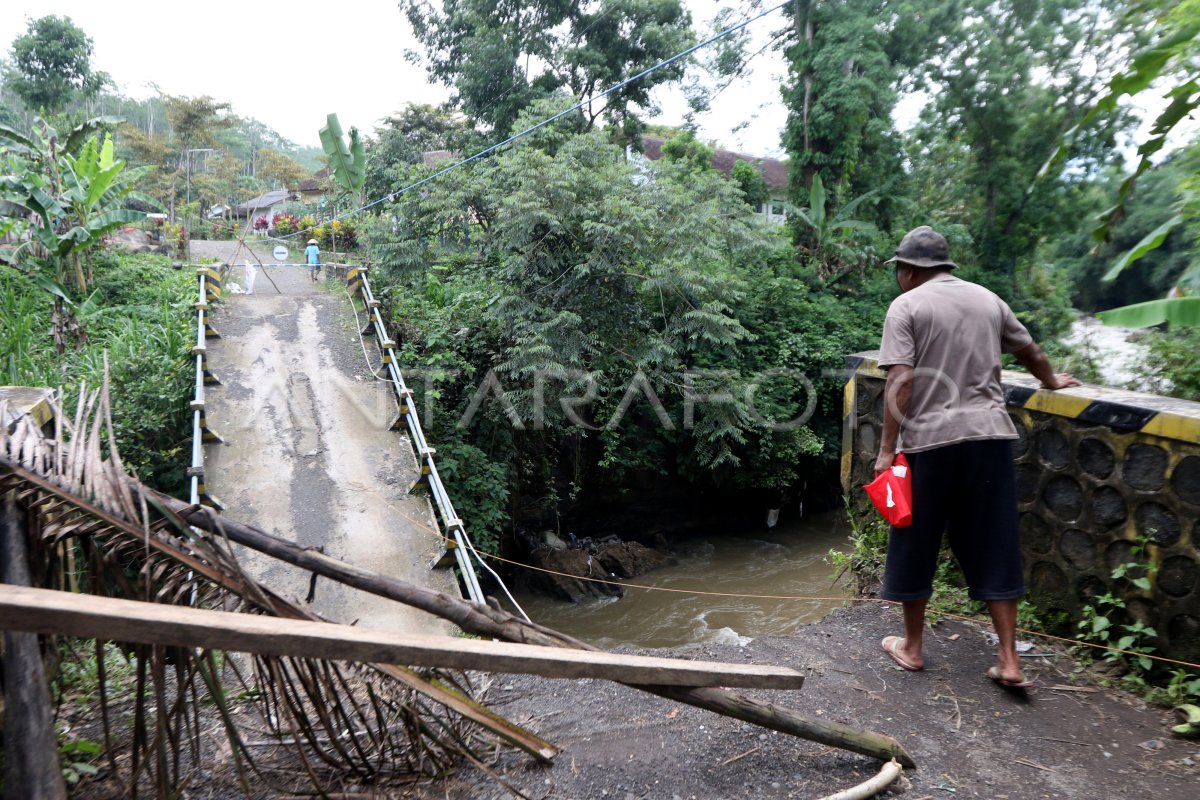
821 598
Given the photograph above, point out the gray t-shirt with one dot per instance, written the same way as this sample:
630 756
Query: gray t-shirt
952 333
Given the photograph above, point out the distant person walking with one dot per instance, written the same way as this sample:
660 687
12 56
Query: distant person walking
944 409
313 254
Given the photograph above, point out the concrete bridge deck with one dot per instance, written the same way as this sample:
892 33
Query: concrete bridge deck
307 454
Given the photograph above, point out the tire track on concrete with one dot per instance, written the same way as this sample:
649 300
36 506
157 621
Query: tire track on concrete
308 455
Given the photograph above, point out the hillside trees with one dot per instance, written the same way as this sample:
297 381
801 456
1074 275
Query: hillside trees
846 62
500 55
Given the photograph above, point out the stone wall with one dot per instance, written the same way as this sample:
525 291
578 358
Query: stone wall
1097 470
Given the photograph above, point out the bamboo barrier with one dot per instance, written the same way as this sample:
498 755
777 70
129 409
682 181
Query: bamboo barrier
487 620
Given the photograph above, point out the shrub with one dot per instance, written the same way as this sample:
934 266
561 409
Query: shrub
285 224
260 222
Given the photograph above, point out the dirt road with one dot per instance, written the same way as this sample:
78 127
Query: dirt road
307 454
970 739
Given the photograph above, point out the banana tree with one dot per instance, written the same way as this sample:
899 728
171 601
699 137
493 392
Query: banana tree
60 197
347 163
833 241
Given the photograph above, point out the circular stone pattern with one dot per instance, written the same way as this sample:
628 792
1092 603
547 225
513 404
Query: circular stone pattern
1178 576
1078 549
1020 445
1028 476
1108 507
1053 448
864 399
1089 588
1145 467
1121 552
1064 497
1159 522
1096 457
868 439
1184 632
1035 535
1047 581
1186 480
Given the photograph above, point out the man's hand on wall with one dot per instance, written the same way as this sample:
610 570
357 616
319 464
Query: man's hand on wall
1061 380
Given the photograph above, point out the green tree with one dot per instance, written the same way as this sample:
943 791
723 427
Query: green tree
51 65
280 170
1008 82
501 55
750 180
684 148
846 61
403 138
597 281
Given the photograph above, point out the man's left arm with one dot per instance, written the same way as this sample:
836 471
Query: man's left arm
897 397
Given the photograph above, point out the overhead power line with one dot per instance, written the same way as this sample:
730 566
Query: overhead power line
493 148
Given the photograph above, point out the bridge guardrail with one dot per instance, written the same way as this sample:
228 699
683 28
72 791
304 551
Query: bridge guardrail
208 283
458 544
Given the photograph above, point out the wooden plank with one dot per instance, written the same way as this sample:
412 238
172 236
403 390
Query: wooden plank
488 621
62 613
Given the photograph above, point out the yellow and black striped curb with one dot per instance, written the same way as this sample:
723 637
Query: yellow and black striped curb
212 283
1125 412
354 279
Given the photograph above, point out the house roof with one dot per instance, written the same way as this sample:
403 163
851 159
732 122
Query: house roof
265 200
434 157
774 171
313 184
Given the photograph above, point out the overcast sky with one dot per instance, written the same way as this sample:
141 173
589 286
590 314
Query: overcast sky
290 64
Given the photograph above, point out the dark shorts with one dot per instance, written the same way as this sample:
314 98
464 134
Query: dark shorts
967 491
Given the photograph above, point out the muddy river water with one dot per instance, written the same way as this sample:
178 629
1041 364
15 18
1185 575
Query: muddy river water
710 583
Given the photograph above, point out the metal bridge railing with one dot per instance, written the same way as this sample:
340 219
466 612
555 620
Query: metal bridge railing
209 286
454 533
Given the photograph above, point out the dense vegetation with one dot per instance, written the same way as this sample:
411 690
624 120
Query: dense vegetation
600 332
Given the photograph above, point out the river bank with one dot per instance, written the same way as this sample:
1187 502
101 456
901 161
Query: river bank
970 739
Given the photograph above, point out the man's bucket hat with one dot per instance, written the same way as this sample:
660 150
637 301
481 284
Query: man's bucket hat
923 247
314 241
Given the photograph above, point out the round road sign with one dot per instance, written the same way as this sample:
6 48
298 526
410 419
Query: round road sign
280 253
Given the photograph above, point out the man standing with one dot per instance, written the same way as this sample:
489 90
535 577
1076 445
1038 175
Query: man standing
944 409
313 253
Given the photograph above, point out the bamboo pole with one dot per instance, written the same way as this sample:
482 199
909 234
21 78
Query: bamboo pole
31 768
489 621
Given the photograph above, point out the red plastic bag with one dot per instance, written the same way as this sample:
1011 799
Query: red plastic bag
891 492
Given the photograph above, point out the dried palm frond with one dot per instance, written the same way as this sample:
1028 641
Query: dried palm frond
93 530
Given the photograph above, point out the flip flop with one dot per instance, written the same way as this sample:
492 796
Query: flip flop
1020 683
890 645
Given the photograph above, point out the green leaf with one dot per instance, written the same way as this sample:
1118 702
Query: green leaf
347 163
1099 624
1142 583
1150 242
79 135
1173 311
816 201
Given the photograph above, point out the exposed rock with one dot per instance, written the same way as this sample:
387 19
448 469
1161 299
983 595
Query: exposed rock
136 241
582 572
